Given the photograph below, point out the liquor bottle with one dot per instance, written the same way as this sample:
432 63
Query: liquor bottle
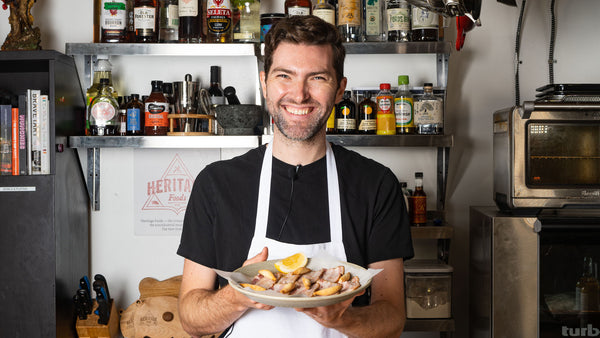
248 27
216 96
404 107
429 112
130 21
587 288
135 116
298 7
145 17
113 21
373 26
418 203
398 20
386 121
156 111
219 21
103 71
367 115
122 118
103 111
190 21
330 125
168 18
425 25
345 116
349 21
324 10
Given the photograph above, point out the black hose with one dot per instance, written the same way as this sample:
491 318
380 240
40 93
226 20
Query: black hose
552 41
517 54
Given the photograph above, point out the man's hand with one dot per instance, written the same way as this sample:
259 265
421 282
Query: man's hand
330 315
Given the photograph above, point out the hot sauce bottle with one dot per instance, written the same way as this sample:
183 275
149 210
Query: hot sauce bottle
418 203
156 111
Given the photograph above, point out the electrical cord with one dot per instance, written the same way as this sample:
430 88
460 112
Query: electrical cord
517 54
293 175
552 42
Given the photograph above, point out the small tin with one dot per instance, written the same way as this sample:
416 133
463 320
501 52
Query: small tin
267 21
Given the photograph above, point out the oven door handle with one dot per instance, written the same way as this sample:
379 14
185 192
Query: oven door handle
530 106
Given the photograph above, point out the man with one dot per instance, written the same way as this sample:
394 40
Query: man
297 194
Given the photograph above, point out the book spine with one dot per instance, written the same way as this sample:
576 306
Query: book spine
45 135
15 140
36 136
5 139
23 131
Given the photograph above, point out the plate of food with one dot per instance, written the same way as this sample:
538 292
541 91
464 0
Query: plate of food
301 282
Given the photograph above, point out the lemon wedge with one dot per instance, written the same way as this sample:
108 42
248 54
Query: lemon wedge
291 263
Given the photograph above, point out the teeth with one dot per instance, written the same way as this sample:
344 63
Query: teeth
296 111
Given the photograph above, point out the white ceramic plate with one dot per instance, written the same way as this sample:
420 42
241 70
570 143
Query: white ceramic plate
277 299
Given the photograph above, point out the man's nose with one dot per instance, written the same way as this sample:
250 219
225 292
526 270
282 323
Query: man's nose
299 91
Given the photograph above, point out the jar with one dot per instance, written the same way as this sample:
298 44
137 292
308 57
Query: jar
267 21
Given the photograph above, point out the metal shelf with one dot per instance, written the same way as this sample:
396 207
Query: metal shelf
164 141
393 140
398 47
432 232
164 49
444 326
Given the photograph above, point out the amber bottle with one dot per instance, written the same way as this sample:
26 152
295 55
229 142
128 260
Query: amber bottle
145 16
418 203
156 111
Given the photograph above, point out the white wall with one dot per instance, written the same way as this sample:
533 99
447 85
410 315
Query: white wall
481 80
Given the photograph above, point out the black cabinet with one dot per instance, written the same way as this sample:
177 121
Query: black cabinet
44 247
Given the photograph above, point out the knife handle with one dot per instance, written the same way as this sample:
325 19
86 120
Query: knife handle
100 278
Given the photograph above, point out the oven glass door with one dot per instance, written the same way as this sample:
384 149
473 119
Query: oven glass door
569 303
563 154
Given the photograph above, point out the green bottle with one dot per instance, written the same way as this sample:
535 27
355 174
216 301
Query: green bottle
103 111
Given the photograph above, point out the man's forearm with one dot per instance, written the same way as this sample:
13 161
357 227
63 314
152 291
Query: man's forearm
380 319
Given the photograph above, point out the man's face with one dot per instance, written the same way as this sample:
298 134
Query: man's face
301 89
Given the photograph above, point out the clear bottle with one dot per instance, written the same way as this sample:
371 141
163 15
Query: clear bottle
367 115
297 7
103 71
219 21
418 203
135 116
156 111
398 20
587 288
404 107
386 121
425 25
168 18
190 21
429 112
249 21
345 116
103 111
349 20
374 20
324 10
113 21
145 19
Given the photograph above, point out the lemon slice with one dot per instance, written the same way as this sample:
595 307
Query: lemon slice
290 264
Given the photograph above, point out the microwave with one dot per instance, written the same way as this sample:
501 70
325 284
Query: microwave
547 155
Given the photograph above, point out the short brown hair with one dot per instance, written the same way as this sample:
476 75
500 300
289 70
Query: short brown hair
306 29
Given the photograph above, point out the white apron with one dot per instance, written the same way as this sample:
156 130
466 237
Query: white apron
282 322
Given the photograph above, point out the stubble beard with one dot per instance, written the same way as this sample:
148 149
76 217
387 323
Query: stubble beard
295 132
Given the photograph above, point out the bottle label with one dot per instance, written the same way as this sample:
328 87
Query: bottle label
428 112
102 113
424 19
370 124
398 19
188 7
218 16
134 122
328 15
349 12
384 104
418 208
403 108
345 124
373 17
298 11
144 19
169 17
156 114
113 15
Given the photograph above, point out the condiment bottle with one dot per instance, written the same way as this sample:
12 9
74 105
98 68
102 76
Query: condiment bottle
103 111
404 107
386 121
345 119
367 115
135 115
156 111
418 203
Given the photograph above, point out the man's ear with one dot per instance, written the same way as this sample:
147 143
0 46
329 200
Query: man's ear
263 83
339 95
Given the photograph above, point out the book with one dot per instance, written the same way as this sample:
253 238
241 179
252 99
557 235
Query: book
23 131
14 150
45 135
35 136
5 139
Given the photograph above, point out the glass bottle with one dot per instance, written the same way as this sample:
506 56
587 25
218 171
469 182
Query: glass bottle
216 95
429 112
324 10
190 21
103 71
156 111
425 25
349 20
103 111
404 107
122 118
587 288
398 20
367 115
249 21
145 18
345 116
130 21
373 26
219 21
168 92
298 7
135 115
168 18
418 203
113 21
330 125
386 121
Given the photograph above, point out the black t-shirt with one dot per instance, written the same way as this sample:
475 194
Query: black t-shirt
221 213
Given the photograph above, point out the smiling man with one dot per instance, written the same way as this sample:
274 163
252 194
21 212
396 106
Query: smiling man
297 194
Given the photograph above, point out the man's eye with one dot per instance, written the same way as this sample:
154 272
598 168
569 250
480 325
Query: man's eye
320 78
282 76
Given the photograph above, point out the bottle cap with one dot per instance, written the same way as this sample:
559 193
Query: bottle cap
135 96
402 80
156 84
427 84
103 65
418 175
214 73
385 86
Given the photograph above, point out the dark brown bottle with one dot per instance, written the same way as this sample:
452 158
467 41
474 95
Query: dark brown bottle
122 118
135 116
145 20
156 111
418 203
190 21
345 118
367 115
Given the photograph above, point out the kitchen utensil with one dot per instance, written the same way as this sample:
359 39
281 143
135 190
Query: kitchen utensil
186 102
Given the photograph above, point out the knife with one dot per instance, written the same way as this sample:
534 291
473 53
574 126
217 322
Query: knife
100 278
85 300
103 310
80 309
84 284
